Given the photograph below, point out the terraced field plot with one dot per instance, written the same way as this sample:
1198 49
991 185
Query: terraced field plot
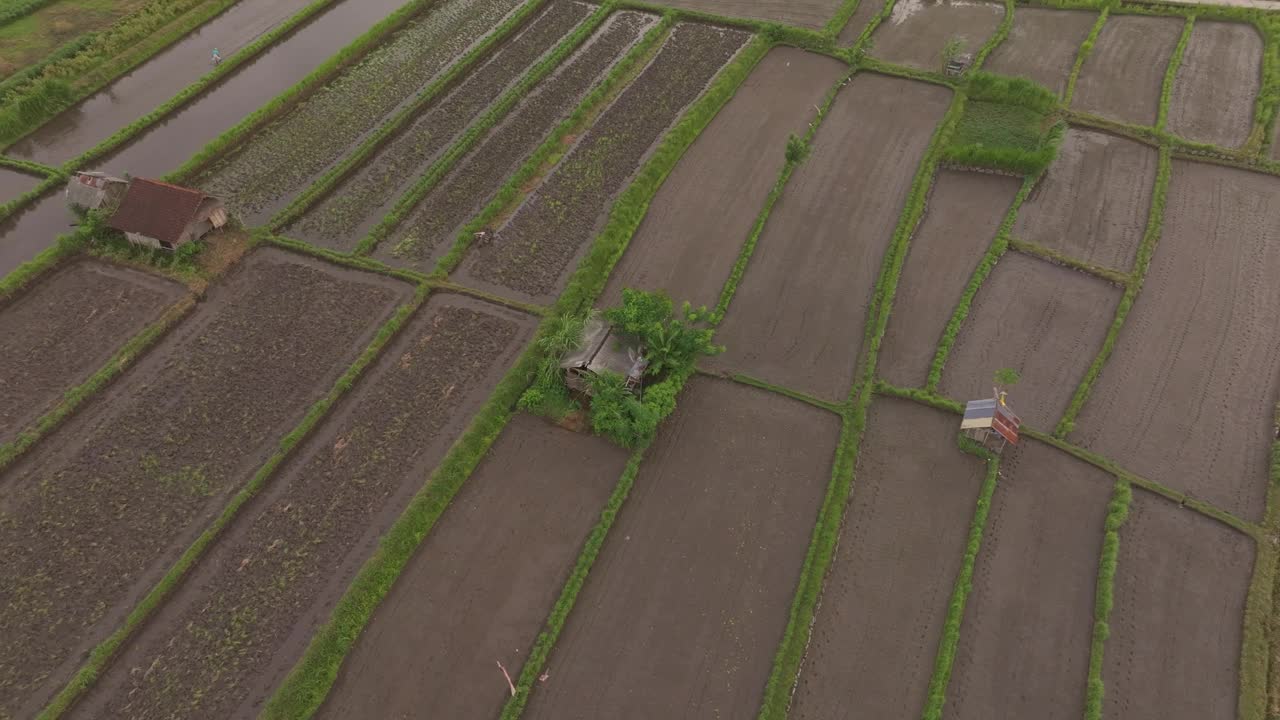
93 517
915 33
797 318
889 585
1092 204
681 247
65 328
861 19
964 214
1181 581
484 580
1123 75
1199 344
14 183
1217 83
806 13
1042 46
684 608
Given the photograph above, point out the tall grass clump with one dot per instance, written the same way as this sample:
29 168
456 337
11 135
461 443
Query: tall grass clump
1008 124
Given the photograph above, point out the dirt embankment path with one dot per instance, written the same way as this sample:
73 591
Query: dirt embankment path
532 256
1177 623
917 30
876 634
686 604
688 248
62 330
436 220
352 208
798 316
1042 45
1093 203
1217 83
1187 398
481 585
1028 623
1045 321
964 215
1122 78
97 513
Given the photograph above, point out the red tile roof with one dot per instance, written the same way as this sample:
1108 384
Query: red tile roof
156 209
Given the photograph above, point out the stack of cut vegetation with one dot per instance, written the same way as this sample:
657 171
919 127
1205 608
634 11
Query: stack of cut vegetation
1009 124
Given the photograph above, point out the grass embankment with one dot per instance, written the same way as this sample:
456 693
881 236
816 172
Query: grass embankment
34 98
1117 513
1086 49
30 30
14 9
1056 257
1171 73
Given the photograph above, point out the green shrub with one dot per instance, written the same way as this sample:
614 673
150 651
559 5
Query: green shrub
797 149
673 343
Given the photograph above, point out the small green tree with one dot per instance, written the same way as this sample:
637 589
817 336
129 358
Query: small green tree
797 148
672 341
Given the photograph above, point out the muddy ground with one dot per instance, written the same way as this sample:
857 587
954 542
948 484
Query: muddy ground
153 82
95 514
532 255
1028 623
1123 76
13 184
1045 321
64 328
279 161
1093 203
689 598
876 634
862 16
429 230
246 613
1217 83
1188 397
963 216
1176 626
1042 45
799 313
483 582
807 13
917 30
352 208
689 248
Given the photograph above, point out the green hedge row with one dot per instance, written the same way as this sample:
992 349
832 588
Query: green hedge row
1117 513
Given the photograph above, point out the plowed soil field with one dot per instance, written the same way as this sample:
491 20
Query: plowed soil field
1093 203
682 247
1180 587
352 208
688 600
809 13
1188 396
1217 83
13 184
532 256
98 511
862 16
1045 321
1123 76
64 328
964 214
798 316
482 583
246 613
876 633
429 230
1042 45
1028 623
918 29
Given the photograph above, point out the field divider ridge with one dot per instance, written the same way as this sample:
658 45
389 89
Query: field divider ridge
1171 73
1259 684
1086 49
841 18
946 657
543 160
13 206
525 307
1155 222
102 655
1117 513
999 246
339 258
352 53
31 168
789 656
407 113
477 131
777 389
1027 247
1000 35
817 41
304 689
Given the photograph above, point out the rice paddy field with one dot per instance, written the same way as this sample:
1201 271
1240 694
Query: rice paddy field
299 468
